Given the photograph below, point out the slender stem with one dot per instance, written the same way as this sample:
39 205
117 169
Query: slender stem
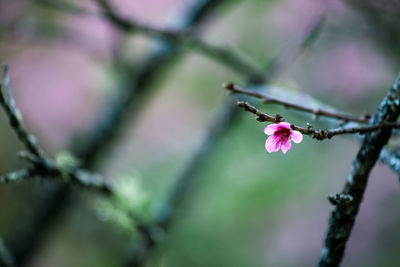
318 134
317 112
343 216
14 116
42 165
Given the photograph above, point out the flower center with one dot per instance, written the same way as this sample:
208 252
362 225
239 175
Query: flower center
282 134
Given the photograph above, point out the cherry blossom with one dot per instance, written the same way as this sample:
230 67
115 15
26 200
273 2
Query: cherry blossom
281 136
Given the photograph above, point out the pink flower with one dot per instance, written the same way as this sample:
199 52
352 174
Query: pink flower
280 136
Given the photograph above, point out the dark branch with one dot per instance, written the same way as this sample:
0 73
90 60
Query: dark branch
314 133
343 216
271 100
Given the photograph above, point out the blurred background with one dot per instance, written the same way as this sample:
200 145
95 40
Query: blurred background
244 206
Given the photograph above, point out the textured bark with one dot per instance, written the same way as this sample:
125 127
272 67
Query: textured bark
343 216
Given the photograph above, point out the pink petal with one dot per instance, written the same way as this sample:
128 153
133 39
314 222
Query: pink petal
296 136
272 145
284 124
270 129
286 147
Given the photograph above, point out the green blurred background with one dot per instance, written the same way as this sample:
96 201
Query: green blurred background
246 207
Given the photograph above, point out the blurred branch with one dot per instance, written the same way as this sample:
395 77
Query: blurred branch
223 55
298 47
64 6
18 175
233 60
318 134
6 258
343 216
317 112
104 133
41 164
223 120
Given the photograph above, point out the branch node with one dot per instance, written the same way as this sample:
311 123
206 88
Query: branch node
340 199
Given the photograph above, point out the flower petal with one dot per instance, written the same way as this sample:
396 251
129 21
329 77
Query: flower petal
270 129
272 144
286 147
296 136
284 124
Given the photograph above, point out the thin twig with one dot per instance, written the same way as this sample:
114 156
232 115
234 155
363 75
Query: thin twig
317 112
343 216
41 164
392 158
314 133
14 116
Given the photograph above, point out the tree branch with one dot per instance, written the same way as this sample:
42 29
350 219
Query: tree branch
41 164
14 116
343 216
317 134
387 156
225 56
271 100
107 126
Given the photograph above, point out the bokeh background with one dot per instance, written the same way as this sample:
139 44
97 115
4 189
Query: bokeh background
245 207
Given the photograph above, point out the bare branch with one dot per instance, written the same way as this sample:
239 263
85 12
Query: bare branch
271 100
41 164
110 124
14 116
343 217
318 134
